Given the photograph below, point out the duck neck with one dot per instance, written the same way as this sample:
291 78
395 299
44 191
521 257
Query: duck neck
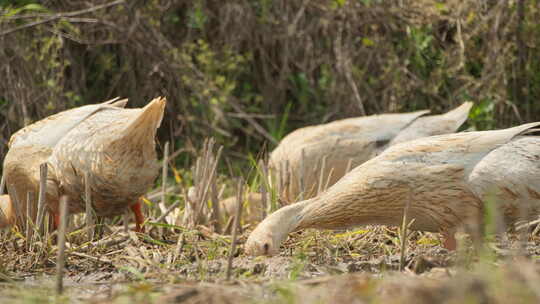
348 205
285 220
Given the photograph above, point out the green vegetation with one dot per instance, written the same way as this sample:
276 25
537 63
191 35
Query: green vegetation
245 72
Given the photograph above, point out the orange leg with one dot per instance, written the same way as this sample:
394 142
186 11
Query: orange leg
139 217
449 242
56 217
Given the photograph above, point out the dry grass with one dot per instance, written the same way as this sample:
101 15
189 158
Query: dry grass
190 265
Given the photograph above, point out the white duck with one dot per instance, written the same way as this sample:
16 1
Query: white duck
447 179
114 146
32 146
346 144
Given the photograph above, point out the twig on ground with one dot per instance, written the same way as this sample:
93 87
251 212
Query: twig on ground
86 256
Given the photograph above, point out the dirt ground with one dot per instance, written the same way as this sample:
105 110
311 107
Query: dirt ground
356 266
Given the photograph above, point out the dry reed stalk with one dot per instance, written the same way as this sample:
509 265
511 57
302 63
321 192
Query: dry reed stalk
30 207
205 173
47 235
239 200
164 173
162 217
179 246
523 235
328 178
42 197
287 177
302 175
221 191
2 184
520 225
278 177
349 165
264 188
321 176
188 205
90 225
155 195
235 228
216 212
97 259
228 225
536 229
110 241
61 256
19 219
404 232
192 197
205 181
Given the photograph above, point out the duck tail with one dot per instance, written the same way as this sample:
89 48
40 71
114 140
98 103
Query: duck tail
116 102
119 103
530 129
145 124
459 114
7 218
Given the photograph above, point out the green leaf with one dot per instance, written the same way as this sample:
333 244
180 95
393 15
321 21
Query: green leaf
29 7
367 42
34 7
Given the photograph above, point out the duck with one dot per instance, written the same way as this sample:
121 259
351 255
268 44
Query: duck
30 147
446 181
347 143
113 145
253 207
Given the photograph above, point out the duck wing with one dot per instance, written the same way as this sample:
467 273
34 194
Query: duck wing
48 131
466 148
509 176
432 173
434 124
384 127
344 144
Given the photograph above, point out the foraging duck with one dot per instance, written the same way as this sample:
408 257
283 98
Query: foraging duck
113 145
253 209
447 179
33 145
347 143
